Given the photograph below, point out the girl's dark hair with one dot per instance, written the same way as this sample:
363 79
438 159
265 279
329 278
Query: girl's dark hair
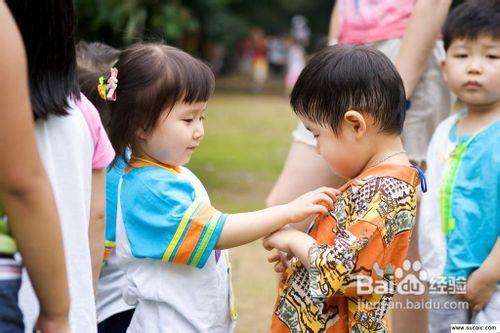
471 19
94 60
153 77
343 77
47 28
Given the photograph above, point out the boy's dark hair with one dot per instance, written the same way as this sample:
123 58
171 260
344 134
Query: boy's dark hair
341 78
94 60
47 28
151 78
471 19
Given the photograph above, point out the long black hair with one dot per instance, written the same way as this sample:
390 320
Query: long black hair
47 28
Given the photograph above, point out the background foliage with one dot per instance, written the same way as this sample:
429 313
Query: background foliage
196 25
192 24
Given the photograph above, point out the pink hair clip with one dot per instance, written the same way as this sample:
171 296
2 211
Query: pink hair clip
107 89
112 85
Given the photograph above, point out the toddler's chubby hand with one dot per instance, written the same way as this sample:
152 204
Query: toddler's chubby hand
480 288
319 201
282 239
280 260
292 242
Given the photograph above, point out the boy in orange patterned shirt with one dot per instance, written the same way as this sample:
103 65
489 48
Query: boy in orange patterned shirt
341 278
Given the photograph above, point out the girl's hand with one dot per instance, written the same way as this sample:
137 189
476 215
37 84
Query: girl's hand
319 201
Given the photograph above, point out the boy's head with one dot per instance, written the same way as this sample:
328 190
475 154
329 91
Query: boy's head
472 42
349 97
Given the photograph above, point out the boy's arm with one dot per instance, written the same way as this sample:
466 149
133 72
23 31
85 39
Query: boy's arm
25 191
97 222
418 41
482 283
328 266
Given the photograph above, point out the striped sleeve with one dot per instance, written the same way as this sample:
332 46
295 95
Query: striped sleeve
164 220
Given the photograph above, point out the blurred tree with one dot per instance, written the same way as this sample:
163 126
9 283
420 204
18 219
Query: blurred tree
120 22
192 24
197 26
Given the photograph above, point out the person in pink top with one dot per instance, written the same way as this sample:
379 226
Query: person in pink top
103 151
103 154
407 31
362 22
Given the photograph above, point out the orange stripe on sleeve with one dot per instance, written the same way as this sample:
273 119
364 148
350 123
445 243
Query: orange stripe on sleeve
193 234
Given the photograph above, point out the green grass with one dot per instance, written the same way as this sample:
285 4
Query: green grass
246 141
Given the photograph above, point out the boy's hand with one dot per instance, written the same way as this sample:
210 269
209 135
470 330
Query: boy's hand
319 201
281 261
281 240
480 288
291 241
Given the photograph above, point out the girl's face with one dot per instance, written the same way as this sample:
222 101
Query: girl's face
176 136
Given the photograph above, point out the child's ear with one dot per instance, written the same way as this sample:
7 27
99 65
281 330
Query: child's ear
442 64
355 123
141 134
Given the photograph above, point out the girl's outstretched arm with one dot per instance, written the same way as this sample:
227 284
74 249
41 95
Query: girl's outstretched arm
244 228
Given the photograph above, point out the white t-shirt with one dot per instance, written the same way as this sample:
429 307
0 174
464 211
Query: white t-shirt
109 300
112 281
66 148
172 297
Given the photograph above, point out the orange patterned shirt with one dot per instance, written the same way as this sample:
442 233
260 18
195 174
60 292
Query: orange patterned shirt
350 282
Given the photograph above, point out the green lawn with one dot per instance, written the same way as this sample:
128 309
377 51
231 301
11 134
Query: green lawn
246 141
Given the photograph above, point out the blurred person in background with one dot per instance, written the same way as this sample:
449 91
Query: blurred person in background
295 63
277 54
259 59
